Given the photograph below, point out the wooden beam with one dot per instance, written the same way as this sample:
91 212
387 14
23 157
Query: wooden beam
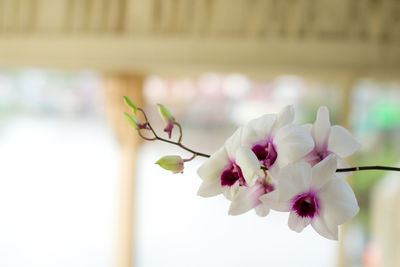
117 86
169 55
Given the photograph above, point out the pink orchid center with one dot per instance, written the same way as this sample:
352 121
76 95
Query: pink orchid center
317 155
305 205
267 187
263 187
266 153
231 175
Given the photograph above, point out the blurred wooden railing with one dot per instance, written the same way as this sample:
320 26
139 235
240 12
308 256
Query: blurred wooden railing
256 37
377 20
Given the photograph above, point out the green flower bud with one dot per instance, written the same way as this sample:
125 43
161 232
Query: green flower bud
168 118
132 105
171 163
164 113
132 121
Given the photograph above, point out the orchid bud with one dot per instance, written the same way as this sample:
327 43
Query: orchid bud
168 118
132 105
134 123
171 163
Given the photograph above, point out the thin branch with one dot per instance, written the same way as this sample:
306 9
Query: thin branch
148 123
189 159
364 168
361 168
156 137
146 138
180 132
183 147
196 153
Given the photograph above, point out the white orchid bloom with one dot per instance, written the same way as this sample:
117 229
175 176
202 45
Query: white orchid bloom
231 167
247 197
330 140
314 196
276 141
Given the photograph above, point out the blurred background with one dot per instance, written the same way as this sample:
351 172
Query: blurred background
79 188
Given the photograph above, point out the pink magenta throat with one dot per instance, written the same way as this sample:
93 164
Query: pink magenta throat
305 205
232 174
266 153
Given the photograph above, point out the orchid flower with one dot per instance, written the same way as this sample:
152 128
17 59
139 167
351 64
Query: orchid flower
270 163
330 140
231 167
276 141
314 196
247 197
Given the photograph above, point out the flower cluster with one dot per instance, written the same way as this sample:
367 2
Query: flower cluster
271 163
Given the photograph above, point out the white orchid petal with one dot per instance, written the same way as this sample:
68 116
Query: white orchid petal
338 202
322 228
248 163
211 169
230 191
321 127
297 223
292 142
245 199
258 129
209 189
341 163
262 210
274 172
293 180
285 117
323 171
342 142
233 143
271 201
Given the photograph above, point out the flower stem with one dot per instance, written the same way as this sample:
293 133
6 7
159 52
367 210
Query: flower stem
180 132
361 168
364 168
156 137
189 159
196 153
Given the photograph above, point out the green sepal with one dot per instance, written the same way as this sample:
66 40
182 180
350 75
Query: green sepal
164 113
132 121
132 105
